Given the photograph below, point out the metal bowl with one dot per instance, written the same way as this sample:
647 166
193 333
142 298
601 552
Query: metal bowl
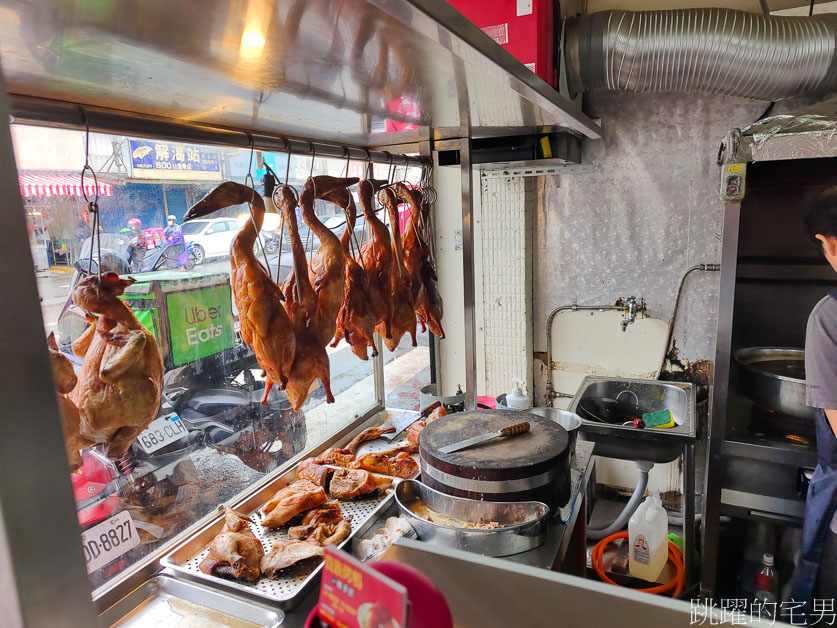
769 376
570 421
524 524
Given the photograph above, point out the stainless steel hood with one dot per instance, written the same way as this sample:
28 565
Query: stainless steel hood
363 72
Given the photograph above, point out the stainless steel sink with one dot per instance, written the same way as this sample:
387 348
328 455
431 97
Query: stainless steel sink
628 442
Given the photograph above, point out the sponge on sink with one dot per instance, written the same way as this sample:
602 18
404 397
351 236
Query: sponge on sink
659 420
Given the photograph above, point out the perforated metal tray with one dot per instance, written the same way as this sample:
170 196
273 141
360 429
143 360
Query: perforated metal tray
287 590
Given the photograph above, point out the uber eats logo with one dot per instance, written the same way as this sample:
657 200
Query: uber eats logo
201 323
198 317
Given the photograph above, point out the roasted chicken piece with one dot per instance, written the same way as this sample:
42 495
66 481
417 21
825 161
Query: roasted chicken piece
376 258
415 429
265 326
351 483
287 553
401 465
235 552
417 262
370 433
357 317
337 457
410 448
301 303
323 525
293 499
325 272
403 313
309 470
65 380
121 380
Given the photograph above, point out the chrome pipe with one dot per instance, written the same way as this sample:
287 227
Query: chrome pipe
712 50
64 115
712 268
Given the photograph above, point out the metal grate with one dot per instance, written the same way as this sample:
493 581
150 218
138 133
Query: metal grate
294 578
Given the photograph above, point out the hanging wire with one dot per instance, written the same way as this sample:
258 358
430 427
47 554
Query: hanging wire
92 206
252 181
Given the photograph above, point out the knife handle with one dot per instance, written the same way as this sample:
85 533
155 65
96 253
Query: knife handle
517 428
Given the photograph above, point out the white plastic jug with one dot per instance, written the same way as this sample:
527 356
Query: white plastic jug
648 536
516 400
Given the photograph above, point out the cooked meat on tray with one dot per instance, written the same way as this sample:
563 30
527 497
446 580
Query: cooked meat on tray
410 448
235 552
351 483
121 380
400 465
338 457
290 501
287 553
415 429
323 525
370 433
309 470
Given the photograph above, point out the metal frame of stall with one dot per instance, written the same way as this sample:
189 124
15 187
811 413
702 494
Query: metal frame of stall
739 151
43 580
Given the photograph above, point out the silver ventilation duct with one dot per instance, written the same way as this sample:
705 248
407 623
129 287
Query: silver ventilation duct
718 51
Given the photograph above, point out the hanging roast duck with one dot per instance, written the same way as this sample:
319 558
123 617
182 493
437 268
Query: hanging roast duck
376 259
403 312
356 318
426 298
265 326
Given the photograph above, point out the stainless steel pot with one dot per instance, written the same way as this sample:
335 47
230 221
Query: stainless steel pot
570 421
774 378
524 524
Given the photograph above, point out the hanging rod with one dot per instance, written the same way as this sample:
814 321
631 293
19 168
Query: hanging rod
27 110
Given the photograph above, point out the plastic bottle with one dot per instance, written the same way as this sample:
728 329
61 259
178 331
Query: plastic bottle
648 536
766 581
516 400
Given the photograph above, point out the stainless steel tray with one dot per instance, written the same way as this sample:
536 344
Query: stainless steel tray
166 601
287 591
524 524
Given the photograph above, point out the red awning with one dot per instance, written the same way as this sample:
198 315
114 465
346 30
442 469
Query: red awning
60 185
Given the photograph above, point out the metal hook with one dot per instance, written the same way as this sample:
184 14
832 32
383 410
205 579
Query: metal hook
348 155
288 166
313 156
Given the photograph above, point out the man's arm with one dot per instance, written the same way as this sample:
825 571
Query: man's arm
831 415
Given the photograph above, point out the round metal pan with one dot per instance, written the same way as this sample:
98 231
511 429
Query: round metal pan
523 524
774 379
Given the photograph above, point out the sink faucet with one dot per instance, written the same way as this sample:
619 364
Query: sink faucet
630 312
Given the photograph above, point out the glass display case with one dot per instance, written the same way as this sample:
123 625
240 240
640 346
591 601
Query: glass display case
212 439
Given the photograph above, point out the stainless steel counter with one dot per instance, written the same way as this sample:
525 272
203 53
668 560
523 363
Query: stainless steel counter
551 552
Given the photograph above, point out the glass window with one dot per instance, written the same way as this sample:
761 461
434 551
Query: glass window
211 439
192 228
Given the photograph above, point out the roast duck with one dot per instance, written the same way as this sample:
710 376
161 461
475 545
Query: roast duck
235 552
403 313
376 259
357 316
65 380
265 326
312 310
426 298
121 380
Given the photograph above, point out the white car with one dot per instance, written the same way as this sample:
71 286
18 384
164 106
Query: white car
210 238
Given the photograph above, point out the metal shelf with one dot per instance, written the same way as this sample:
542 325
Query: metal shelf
369 73
770 450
